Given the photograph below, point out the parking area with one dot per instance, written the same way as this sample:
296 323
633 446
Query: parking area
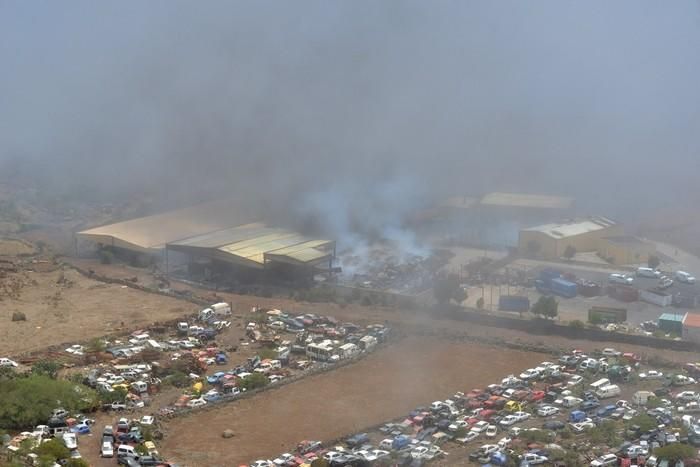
576 308
387 383
606 408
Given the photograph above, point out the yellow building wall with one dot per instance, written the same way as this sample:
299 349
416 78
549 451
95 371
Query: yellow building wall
552 248
547 245
627 253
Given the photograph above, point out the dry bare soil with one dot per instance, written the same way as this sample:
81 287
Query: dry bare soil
74 309
383 386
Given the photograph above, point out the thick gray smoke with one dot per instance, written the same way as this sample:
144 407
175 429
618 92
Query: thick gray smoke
349 114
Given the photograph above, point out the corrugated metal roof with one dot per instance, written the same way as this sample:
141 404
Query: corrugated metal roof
527 200
671 317
224 237
691 320
571 229
154 232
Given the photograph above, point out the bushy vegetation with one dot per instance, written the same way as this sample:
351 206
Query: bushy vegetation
546 307
29 400
447 289
675 452
254 381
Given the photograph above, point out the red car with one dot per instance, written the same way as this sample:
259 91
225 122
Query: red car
536 396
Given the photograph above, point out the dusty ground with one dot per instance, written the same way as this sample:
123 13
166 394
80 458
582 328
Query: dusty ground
385 385
406 322
14 247
77 310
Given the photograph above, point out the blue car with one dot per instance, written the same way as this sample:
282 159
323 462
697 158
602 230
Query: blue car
81 429
216 377
213 397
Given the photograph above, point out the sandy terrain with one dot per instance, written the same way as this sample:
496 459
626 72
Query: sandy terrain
76 311
383 386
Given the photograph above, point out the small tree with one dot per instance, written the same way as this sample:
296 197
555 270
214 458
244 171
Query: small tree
653 261
448 288
54 449
480 303
576 324
675 452
46 367
644 421
569 252
546 307
254 381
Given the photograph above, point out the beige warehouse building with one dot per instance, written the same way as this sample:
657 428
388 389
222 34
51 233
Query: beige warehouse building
550 241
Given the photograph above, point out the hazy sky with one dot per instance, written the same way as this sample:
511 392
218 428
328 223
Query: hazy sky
280 101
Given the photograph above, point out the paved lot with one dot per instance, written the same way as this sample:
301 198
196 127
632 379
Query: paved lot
577 308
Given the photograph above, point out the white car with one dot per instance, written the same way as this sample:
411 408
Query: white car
491 431
107 449
480 426
7 362
489 448
330 455
470 436
509 420
608 352
687 396
261 463
532 459
457 424
547 411
147 420
199 402
283 459
581 426
521 416
575 380
70 440
682 276
505 442
651 374
620 279
648 272
637 450
529 374
419 453
605 459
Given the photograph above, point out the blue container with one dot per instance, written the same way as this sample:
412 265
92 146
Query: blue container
513 303
563 288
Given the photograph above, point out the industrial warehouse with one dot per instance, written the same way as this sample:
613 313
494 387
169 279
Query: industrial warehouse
209 243
595 234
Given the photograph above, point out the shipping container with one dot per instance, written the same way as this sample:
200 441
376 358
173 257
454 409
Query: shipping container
563 288
670 322
516 303
655 297
546 275
685 301
604 314
623 293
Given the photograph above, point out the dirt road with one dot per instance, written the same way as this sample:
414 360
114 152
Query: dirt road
385 385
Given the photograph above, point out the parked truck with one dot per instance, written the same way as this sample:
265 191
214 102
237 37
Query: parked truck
548 283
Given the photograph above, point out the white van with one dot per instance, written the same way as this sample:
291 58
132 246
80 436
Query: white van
611 390
124 450
600 383
139 387
221 309
648 272
685 277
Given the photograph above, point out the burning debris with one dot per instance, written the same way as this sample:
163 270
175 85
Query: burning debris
383 267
